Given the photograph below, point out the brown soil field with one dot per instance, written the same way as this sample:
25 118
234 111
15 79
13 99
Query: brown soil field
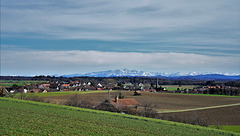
218 116
162 101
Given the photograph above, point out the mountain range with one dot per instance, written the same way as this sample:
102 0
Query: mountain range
135 73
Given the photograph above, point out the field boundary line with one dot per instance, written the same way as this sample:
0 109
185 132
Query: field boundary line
203 108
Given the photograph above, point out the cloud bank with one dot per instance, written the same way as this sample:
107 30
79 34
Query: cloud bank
162 36
69 62
175 22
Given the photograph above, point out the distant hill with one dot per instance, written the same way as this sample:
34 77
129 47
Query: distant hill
177 75
206 77
214 77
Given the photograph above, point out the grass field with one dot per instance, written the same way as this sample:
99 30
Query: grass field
20 117
18 82
49 94
233 128
175 87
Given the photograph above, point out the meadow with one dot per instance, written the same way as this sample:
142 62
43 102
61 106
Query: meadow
21 117
62 93
18 82
175 87
233 128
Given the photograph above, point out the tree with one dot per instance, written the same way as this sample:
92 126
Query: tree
146 86
93 84
2 91
121 96
15 86
152 85
212 91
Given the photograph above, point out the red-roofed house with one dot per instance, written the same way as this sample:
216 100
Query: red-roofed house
137 93
34 91
99 89
44 86
122 104
65 86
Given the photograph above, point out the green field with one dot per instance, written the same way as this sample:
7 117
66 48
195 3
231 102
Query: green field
233 128
21 117
18 95
18 82
204 94
175 87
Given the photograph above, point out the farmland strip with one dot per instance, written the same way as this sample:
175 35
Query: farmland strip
203 108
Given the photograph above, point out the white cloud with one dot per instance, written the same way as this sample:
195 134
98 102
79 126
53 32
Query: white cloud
66 62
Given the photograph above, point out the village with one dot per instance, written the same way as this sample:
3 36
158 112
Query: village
149 98
75 85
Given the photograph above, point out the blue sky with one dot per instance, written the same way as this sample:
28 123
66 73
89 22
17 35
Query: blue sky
67 36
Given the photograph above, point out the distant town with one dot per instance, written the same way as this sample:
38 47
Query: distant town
43 84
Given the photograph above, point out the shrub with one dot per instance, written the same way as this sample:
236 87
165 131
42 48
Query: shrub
35 98
194 119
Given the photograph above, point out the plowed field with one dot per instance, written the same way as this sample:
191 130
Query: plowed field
164 102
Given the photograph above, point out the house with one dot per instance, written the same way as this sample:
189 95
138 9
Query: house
99 85
137 93
65 86
25 90
128 87
123 104
74 88
44 86
54 86
99 89
76 82
20 89
149 90
34 91
87 88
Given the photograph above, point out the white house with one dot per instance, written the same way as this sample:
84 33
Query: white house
25 90
99 84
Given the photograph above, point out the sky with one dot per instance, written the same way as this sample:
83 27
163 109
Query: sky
41 37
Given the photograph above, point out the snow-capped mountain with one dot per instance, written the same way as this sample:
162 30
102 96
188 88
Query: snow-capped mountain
118 73
135 73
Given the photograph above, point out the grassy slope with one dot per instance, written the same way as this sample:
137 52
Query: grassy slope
19 117
233 128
